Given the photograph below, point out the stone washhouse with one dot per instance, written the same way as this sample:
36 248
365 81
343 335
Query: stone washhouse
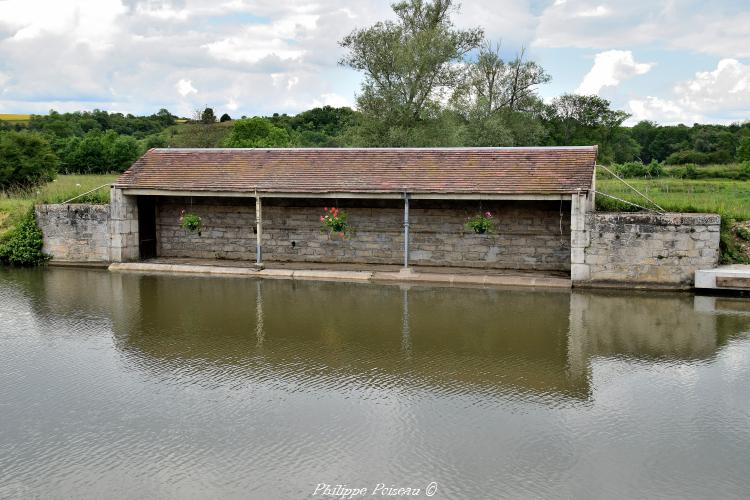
408 207
422 196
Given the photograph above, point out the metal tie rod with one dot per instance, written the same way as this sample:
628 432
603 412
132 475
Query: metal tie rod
631 187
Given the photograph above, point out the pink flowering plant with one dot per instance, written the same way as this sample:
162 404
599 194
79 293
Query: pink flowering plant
191 223
334 221
481 223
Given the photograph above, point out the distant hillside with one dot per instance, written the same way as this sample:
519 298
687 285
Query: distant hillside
195 135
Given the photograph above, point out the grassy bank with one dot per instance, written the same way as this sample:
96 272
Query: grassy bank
726 197
14 204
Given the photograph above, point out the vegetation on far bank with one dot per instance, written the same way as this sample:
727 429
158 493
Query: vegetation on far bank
426 82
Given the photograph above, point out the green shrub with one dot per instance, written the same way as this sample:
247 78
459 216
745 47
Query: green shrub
638 169
742 233
22 245
728 248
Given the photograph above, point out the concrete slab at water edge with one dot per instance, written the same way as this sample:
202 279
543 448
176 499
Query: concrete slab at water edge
441 276
731 277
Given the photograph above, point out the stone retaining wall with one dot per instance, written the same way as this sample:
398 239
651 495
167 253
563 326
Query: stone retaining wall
530 235
75 232
647 249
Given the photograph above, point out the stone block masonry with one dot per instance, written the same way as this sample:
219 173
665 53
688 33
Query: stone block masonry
650 249
530 235
75 232
605 249
123 227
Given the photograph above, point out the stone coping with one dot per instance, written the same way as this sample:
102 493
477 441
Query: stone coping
443 278
667 218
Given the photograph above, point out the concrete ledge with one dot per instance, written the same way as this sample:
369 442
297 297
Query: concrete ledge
340 275
78 263
472 279
723 277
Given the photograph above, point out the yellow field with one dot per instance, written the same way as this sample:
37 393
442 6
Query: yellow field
14 117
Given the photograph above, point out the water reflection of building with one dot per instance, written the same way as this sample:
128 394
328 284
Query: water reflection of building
438 339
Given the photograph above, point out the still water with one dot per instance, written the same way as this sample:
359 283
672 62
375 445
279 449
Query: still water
135 386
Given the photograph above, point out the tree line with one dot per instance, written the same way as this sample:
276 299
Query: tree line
425 83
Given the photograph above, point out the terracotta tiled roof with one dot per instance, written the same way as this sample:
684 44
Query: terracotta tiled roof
537 170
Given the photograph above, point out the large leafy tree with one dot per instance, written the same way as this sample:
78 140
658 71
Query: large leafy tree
493 85
585 119
207 116
98 153
26 159
743 149
498 100
411 65
257 132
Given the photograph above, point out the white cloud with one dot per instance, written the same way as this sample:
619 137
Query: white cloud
185 87
85 21
257 42
660 110
720 27
331 99
162 11
610 68
509 21
721 95
598 11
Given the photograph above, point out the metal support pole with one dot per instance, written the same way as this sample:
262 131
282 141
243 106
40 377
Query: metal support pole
258 234
406 231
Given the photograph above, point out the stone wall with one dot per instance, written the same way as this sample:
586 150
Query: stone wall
75 232
649 249
530 235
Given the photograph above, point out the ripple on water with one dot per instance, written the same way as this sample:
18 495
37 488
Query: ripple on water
122 386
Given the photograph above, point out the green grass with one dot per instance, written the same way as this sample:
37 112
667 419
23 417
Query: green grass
726 197
15 203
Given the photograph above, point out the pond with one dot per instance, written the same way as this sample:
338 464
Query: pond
138 386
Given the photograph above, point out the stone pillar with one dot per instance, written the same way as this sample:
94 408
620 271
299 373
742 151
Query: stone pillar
406 231
123 227
579 237
258 234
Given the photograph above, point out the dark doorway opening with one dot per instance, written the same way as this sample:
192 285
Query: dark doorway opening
147 227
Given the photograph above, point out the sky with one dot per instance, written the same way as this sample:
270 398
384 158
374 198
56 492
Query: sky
671 61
